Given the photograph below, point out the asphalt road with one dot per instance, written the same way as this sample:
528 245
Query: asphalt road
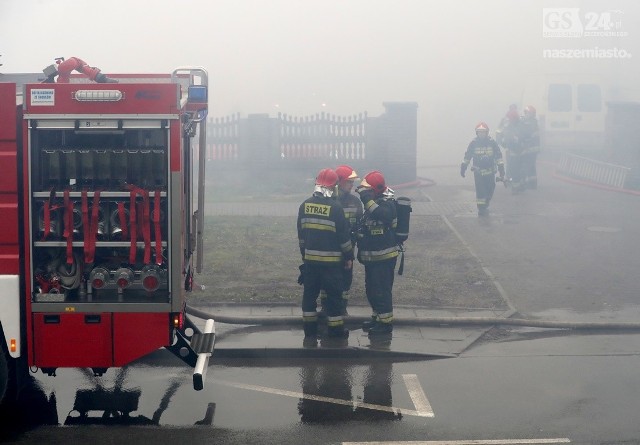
562 247
561 252
541 387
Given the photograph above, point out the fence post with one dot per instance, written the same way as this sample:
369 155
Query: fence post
392 141
257 138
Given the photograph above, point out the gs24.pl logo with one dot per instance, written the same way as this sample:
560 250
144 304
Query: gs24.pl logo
570 23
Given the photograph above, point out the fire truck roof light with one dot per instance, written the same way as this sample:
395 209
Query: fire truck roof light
98 95
13 345
197 94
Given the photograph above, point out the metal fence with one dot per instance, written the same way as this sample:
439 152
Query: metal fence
387 142
579 167
223 138
323 135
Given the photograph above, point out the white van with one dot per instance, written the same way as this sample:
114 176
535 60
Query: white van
571 112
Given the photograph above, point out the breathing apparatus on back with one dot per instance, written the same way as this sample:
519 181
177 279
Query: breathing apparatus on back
376 181
403 212
403 209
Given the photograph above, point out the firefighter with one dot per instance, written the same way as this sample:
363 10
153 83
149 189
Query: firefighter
508 136
511 111
325 246
530 137
486 156
353 212
507 119
378 250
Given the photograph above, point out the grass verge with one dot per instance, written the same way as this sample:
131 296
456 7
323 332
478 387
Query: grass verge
255 259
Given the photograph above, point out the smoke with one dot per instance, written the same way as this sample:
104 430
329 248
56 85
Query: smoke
461 61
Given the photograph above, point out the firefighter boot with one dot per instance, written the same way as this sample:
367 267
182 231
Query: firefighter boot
337 332
310 329
381 329
370 323
310 342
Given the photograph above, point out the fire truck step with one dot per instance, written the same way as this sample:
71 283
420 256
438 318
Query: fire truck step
203 343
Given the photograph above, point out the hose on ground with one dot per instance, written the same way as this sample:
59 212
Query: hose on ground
423 321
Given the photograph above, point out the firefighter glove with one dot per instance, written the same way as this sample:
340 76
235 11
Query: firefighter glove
301 276
463 169
360 188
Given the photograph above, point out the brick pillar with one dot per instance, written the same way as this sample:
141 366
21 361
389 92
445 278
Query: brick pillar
260 145
393 141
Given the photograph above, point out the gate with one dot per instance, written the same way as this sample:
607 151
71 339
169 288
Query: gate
284 143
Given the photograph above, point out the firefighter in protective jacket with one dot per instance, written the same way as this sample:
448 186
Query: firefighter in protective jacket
325 246
378 250
530 137
509 137
353 212
486 156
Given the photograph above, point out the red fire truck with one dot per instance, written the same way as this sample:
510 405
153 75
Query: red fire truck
99 231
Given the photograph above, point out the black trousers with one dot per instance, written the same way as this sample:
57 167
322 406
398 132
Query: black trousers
530 171
485 186
378 282
347 278
318 277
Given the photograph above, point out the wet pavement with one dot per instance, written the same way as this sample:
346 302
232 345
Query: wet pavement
276 330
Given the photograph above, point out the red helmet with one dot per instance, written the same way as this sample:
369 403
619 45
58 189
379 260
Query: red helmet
529 110
375 180
345 172
512 115
482 127
327 178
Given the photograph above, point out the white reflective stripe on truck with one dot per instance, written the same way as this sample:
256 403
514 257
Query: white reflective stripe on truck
10 311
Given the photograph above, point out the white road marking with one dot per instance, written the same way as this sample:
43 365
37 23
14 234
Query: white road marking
501 291
467 442
417 395
423 409
300 395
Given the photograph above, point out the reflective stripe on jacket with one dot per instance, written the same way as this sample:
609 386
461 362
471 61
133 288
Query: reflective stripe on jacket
323 231
486 155
376 237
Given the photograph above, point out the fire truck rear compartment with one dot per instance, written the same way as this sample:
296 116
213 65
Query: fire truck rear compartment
97 207
97 340
100 201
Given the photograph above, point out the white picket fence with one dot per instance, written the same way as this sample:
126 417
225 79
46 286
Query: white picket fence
591 170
